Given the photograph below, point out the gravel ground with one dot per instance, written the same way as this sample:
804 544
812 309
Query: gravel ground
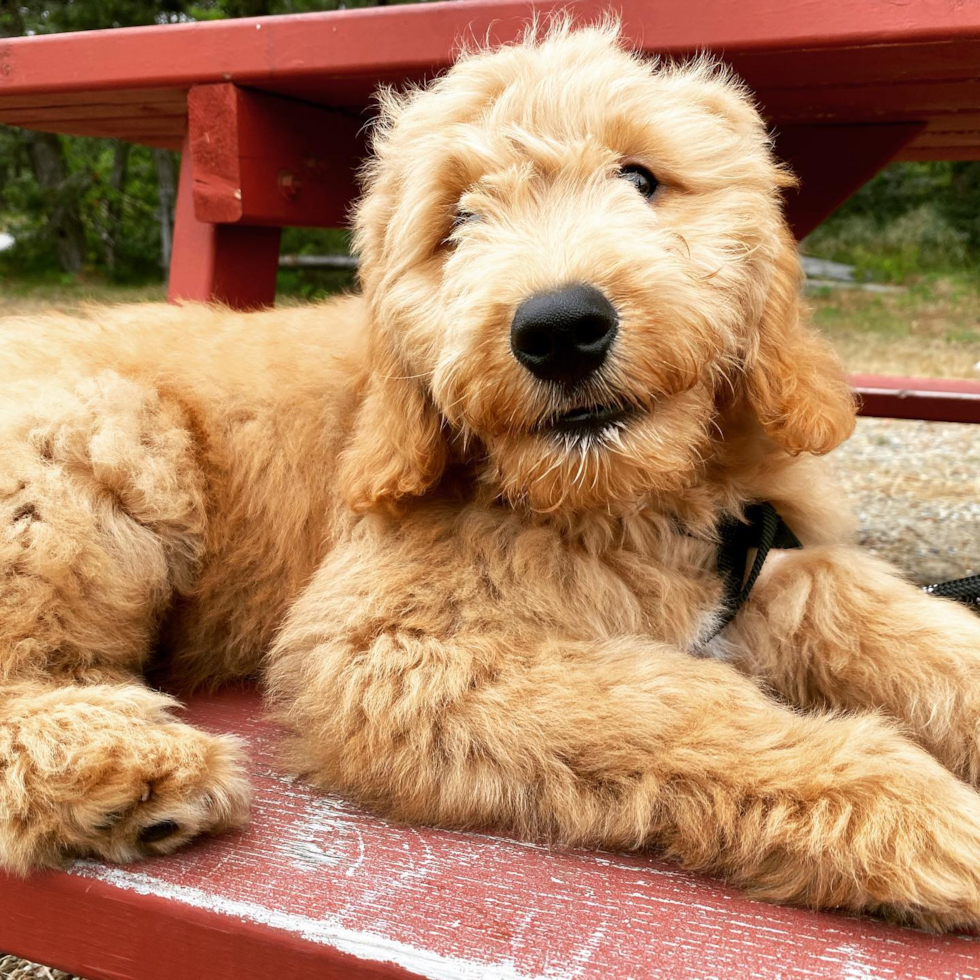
916 489
12 968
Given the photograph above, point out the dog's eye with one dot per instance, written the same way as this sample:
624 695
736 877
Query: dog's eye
463 217
460 218
640 178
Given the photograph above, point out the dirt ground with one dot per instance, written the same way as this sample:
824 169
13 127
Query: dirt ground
915 485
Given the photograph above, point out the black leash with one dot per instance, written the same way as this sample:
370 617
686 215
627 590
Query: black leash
966 590
763 529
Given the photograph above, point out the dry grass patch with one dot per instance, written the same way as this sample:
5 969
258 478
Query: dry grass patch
930 330
18 299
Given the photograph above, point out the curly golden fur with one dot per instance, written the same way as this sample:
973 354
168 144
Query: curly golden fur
466 614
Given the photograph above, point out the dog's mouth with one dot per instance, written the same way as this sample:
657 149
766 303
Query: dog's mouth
588 419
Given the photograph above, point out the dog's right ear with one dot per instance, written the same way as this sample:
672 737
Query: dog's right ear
396 448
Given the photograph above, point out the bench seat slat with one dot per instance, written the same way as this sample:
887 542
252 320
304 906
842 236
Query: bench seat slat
317 887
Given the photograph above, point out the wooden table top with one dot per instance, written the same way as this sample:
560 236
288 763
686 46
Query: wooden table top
317 887
810 61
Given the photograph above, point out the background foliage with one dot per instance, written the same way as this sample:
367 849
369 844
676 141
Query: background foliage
913 218
91 207
97 208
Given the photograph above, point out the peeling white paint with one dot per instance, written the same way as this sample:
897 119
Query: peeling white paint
364 945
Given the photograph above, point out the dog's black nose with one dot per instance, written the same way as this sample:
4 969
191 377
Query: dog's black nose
565 335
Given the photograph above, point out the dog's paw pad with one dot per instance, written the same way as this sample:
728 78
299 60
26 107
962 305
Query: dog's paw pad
195 785
157 832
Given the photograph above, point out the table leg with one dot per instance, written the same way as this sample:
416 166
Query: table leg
221 263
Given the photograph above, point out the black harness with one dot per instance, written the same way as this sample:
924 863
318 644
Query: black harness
763 529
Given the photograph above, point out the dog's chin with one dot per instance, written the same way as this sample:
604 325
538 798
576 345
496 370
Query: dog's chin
599 456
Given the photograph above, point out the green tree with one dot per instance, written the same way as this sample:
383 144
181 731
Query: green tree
76 201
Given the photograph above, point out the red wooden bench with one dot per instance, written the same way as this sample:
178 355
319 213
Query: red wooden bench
268 113
317 888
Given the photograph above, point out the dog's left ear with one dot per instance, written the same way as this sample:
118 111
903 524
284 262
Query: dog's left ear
793 380
397 448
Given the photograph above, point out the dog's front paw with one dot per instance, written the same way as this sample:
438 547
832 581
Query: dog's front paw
182 784
924 869
105 771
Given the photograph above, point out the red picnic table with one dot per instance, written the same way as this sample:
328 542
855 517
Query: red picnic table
269 114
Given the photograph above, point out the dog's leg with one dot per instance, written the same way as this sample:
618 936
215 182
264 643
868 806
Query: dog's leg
101 518
106 770
834 627
627 744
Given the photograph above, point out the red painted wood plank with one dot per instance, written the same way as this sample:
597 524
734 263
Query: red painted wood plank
415 38
854 60
952 123
316 887
156 117
949 138
927 153
175 98
929 399
134 129
894 101
862 64
266 160
230 264
96 113
76 924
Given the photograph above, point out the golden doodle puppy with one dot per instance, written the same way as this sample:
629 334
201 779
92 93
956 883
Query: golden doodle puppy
465 523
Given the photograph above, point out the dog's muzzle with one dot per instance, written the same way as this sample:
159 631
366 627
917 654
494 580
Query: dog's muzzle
564 336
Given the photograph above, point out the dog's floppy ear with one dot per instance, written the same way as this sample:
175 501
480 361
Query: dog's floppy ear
397 448
793 379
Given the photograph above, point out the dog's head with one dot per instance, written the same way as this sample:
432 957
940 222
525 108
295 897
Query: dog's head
574 261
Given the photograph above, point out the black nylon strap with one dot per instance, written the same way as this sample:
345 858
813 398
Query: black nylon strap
965 590
762 529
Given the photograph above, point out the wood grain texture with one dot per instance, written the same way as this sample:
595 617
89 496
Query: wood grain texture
316 887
